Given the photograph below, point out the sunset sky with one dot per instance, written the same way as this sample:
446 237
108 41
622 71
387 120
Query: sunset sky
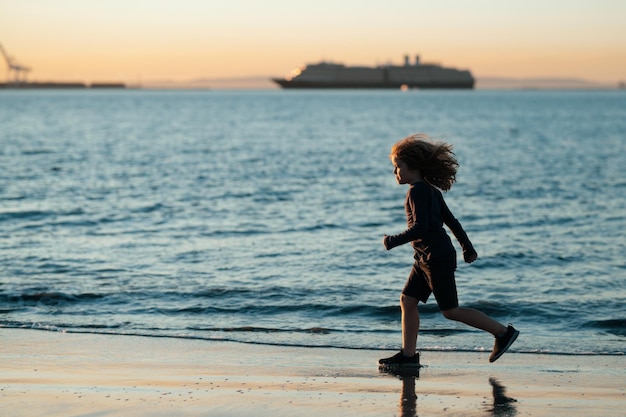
183 40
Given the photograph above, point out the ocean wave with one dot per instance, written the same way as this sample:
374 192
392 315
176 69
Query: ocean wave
218 338
148 208
25 215
255 303
253 309
253 329
47 298
36 215
35 151
612 326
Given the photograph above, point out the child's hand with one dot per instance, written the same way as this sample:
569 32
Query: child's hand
470 256
386 241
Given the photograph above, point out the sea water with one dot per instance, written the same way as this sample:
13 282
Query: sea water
258 216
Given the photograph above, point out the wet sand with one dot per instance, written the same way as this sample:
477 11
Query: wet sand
61 374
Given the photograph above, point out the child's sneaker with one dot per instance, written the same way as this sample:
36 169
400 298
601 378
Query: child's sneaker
400 360
503 343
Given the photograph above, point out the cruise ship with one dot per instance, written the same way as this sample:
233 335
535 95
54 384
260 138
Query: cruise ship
409 75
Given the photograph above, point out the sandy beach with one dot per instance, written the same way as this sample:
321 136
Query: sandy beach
61 374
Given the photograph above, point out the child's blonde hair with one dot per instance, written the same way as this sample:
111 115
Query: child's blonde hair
435 160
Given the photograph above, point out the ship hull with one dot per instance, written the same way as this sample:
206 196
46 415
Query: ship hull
369 85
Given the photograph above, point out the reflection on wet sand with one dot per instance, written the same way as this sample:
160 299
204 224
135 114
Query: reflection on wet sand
408 397
503 406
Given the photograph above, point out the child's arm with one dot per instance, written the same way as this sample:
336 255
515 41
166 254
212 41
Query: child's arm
469 253
418 204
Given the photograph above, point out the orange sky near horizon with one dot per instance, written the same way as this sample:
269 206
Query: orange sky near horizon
184 40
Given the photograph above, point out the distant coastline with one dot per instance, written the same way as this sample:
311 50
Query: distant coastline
60 85
482 83
265 83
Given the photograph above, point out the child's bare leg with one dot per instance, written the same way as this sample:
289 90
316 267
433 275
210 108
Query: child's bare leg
410 324
475 319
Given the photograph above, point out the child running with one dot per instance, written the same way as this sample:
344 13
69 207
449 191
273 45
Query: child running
428 167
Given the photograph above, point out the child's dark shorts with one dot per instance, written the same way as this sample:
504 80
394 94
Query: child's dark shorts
436 277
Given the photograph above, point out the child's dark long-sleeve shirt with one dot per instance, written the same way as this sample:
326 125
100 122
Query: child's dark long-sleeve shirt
426 213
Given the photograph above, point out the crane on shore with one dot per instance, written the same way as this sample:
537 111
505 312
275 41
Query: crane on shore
20 72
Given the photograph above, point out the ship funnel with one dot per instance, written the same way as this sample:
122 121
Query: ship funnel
406 61
417 60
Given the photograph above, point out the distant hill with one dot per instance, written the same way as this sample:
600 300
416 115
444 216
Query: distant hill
242 83
495 83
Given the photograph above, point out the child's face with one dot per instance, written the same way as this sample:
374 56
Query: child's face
404 174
